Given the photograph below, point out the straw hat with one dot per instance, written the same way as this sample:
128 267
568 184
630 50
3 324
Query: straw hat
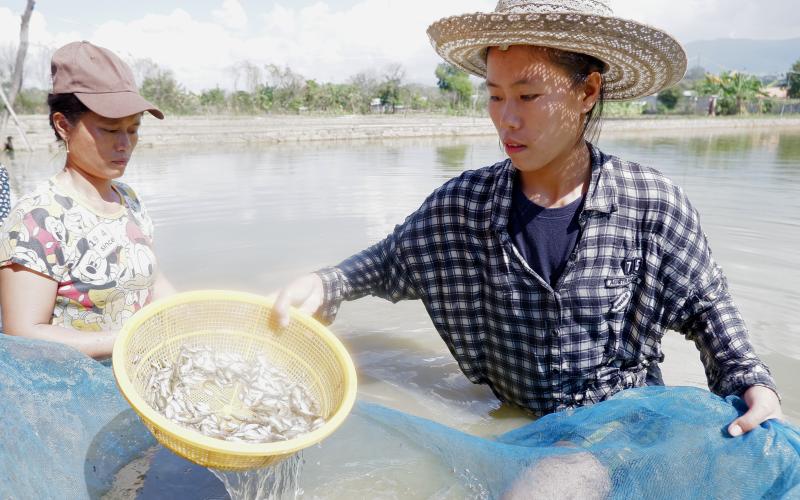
641 60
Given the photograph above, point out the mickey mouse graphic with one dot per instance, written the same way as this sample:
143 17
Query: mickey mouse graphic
91 274
46 235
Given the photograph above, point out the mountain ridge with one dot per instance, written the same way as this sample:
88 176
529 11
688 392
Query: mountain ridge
760 57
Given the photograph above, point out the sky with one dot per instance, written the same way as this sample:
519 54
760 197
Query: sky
328 40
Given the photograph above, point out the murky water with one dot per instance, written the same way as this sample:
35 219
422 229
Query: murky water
254 218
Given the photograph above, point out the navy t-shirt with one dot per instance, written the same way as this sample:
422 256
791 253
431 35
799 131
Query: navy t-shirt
545 237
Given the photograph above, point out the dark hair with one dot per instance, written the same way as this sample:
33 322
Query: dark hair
68 105
579 67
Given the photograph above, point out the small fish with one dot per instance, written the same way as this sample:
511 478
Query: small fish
270 406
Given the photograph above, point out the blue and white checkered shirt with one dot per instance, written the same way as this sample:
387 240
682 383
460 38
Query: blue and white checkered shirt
641 266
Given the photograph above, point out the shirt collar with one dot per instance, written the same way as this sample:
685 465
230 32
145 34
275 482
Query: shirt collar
601 196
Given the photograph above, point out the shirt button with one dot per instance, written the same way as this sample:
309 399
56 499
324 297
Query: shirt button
573 256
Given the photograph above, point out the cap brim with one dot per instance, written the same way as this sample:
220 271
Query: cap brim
118 104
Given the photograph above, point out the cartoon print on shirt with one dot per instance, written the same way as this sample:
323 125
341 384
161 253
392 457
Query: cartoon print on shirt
92 268
138 264
79 222
45 237
104 265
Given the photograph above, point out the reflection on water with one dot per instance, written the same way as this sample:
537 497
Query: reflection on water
254 218
789 151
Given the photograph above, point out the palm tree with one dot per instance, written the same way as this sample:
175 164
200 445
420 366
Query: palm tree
793 80
734 90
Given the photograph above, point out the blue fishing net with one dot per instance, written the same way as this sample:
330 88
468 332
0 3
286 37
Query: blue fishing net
67 433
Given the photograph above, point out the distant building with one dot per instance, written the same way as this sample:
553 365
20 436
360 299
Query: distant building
778 90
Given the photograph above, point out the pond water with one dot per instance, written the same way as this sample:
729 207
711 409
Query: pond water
253 218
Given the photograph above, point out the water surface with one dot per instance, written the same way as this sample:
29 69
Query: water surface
253 218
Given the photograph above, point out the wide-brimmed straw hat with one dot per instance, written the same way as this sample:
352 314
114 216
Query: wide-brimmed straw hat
99 79
640 60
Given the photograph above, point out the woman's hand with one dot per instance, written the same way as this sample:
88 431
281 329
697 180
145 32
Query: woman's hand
763 405
305 293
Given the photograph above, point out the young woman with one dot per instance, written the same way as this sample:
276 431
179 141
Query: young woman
76 256
552 275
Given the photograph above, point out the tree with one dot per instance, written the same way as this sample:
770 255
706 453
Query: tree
456 82
248 74
733 89
287 87
669 97
164 91
389 90
212 99
793 81
19 65
365 87
143 69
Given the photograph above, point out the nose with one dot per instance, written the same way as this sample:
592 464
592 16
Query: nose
123 142
510 117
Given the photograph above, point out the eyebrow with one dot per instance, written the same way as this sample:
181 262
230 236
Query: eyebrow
523 81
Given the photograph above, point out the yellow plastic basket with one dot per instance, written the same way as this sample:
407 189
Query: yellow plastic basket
239 323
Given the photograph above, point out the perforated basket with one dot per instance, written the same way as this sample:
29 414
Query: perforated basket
239 323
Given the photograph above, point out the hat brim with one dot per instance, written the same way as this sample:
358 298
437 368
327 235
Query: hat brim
641 60
118 104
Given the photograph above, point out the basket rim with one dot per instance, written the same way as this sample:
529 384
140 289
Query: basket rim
213 445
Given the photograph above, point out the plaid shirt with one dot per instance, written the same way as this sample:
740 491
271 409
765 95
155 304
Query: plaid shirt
641 266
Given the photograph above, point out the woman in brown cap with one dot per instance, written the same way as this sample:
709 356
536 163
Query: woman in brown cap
553 275
76 256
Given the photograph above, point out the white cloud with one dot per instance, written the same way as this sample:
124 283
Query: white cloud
231 15
332 45
198 52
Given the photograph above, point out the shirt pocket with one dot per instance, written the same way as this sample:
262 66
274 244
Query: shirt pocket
597 309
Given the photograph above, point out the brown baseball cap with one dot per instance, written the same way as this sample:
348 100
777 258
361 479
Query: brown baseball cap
99 79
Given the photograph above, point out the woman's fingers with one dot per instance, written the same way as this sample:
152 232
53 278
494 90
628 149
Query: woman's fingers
763 405
304 293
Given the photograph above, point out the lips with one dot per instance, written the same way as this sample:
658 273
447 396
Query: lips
512 147
121 163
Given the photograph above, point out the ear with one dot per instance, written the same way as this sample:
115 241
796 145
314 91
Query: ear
591 91
62 125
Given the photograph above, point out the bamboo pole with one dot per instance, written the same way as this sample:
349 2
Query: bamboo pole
16 120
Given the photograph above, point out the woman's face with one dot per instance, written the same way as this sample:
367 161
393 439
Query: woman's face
102 147
537 110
